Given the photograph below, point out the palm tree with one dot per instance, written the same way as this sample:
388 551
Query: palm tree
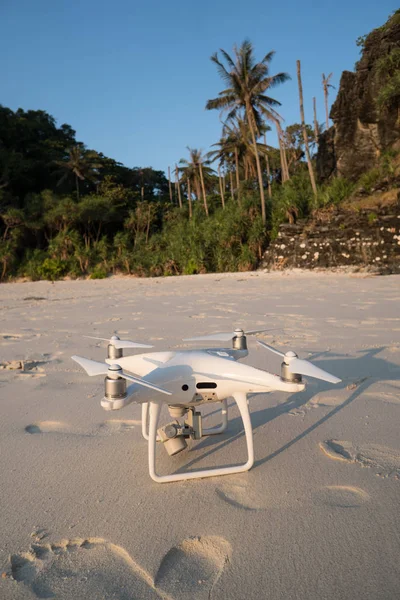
304 128
235 149
326 85
316 127
222 153
81 163
197 171
247 83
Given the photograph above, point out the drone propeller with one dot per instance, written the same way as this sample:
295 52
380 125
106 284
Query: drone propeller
301 367
117 343
92 368
225 336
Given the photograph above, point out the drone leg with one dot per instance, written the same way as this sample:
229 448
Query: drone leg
243 406
145 418
155 408
145 414
221 428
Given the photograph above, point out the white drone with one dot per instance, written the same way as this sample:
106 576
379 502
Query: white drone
186 379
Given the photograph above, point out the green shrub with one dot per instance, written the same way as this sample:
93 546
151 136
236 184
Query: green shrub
370 179
335 192
31 265
99 272
52 269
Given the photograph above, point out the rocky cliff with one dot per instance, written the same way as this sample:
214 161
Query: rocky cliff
363 128
339 238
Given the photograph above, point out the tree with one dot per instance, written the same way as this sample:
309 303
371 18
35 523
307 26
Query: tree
294 143
282 151
303 123
316 127
81 163
198 171
247 83
326 85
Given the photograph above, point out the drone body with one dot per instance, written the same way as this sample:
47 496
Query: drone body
185 380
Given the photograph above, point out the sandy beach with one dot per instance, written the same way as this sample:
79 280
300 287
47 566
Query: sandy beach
316 518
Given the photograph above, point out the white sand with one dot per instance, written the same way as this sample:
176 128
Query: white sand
316 518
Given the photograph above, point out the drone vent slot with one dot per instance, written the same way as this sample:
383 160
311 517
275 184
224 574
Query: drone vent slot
206 385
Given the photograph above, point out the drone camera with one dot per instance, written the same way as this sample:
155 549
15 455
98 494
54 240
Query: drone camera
173 438
194 424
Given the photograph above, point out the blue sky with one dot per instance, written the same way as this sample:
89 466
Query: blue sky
132 78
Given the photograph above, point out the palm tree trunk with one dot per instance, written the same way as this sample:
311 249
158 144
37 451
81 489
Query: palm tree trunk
148 225
231 182
178 185
77 186
259 172
203 188
325 81
282 149
268 169
189 193
197 186
316 132
169 184
221 190
303 124
237 174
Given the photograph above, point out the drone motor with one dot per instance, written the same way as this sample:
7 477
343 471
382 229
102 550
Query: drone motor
287 375
239 341
114 385
112 351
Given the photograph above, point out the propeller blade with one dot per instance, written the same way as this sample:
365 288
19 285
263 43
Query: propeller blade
254 331
214 337
304 367
145 383
224 336
264 345
119 344
128 344
92 367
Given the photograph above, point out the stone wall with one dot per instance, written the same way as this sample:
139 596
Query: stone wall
364 239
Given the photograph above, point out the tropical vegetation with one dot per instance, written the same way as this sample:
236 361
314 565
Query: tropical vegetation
68 210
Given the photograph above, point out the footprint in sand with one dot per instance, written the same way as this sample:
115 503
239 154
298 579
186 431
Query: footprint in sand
94 568
82 568
384 460
192 568
387 391
10 336
110 427
242 495
341 496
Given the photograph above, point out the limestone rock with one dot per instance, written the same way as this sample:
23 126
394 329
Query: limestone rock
361 132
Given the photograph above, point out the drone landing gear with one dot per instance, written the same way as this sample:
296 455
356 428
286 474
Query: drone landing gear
155 409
